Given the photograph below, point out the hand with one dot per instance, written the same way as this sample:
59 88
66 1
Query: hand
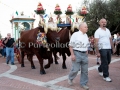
114 50
87 52
98 54
73 57
7 37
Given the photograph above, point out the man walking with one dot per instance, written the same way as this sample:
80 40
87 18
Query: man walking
9 42
103 42
78 46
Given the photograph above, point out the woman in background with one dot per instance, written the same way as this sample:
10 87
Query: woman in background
118 44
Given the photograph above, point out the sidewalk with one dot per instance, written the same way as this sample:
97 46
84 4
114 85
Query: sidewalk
14 77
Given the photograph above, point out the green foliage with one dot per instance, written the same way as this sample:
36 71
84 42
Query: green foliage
69 12
0 36
108 9
57 12
39 11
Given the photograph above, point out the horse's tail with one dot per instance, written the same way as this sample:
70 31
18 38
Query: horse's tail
18 42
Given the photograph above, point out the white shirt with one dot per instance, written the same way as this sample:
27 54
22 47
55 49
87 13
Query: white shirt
104 38
79 41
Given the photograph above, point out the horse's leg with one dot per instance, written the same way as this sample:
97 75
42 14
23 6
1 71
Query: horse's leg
55 57
30 58
49 60
64 59
42 71
18 55
22 59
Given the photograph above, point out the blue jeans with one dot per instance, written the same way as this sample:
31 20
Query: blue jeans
105 55
10 54
1 51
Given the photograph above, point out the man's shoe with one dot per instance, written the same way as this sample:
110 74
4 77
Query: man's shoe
7 62
70 82
12 64
85 87
98 63
101 74
107 79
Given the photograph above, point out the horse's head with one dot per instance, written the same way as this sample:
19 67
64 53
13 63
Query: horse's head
75 27
51 34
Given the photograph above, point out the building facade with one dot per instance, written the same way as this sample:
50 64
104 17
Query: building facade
20 23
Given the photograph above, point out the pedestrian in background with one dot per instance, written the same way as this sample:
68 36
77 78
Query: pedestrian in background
9 43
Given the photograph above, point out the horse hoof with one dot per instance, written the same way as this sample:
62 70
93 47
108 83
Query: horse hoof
47 66
33 67
42 72
22 65
51 63
56 63
64 67
57 57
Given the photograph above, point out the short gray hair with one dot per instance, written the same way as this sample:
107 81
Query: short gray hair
82 24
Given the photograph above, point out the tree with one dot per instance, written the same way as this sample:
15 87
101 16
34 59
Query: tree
114 15
103 9
0 36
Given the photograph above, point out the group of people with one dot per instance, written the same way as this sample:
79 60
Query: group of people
116 42
2 48
7 48
79 54
103 43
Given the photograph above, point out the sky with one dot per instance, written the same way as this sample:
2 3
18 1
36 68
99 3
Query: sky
9 7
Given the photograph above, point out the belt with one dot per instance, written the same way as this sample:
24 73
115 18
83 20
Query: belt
80 51
10 47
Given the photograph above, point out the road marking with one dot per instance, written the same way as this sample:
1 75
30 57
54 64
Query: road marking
36 82
31 81
66 77
12 69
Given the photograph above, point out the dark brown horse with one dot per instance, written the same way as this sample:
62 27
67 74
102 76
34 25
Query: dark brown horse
62 46
29 46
